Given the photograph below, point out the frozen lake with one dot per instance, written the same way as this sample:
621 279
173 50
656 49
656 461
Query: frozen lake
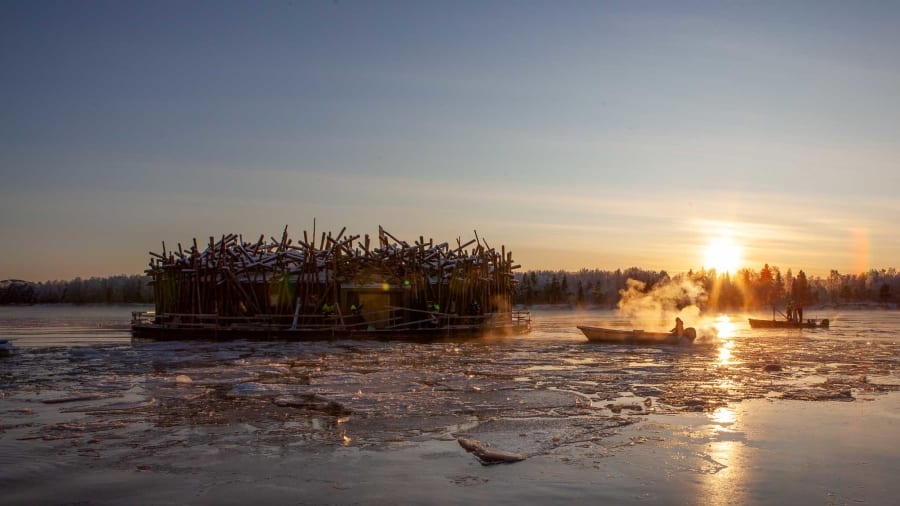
79 393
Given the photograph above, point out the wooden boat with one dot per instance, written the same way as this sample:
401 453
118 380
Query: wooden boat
810 323
621 336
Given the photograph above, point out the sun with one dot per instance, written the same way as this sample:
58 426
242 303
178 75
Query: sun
722 254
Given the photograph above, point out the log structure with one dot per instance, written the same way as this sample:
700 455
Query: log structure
336 280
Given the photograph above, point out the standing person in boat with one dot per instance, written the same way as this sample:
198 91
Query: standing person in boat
789 312
800 312
679 327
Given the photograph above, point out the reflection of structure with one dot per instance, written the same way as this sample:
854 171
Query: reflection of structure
301 290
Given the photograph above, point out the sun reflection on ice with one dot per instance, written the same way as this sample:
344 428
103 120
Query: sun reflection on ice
724 452
725 329
724 358
723 416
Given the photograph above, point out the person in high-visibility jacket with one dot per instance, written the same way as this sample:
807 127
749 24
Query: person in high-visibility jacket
434 309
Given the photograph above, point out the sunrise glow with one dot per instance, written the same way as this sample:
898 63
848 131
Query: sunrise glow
723 255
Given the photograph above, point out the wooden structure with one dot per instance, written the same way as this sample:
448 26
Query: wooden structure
330 286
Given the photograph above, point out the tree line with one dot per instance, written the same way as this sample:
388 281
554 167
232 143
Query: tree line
745 289
120 289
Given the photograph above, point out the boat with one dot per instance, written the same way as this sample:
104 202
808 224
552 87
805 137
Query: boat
339 287
810 323
6 348
622 336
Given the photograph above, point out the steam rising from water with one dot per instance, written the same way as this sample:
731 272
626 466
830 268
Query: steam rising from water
662 303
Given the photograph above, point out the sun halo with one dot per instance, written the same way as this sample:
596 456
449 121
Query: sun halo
723 255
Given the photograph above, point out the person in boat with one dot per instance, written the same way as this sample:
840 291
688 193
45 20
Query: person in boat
679 327
789 312
799 311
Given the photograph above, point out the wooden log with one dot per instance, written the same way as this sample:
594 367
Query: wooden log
489 456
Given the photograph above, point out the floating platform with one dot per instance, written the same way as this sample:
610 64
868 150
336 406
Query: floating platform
339 287
148 325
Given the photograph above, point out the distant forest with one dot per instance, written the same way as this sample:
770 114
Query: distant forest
745 289
112 290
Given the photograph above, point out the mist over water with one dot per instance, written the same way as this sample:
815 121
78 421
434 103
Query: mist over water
661 304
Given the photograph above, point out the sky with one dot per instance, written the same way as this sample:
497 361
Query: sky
596 135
